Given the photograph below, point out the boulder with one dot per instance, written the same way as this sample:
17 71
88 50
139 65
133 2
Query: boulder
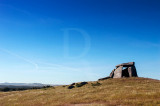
70 87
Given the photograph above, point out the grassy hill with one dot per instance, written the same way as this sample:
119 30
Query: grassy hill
125 91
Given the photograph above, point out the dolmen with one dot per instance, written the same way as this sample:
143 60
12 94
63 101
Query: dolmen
123 70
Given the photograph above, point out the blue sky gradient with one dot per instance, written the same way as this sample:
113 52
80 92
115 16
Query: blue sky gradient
65 41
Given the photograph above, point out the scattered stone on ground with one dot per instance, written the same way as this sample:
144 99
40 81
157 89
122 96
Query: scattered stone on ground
73 85
70 87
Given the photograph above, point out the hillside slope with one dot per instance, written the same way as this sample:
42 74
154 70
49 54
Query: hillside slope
125 91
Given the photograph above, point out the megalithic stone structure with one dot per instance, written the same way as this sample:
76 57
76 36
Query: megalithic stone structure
123 70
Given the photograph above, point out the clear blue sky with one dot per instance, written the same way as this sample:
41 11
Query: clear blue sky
65 41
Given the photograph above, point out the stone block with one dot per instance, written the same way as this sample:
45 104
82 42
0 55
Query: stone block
118 72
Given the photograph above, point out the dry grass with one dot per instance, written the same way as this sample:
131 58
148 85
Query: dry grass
126 91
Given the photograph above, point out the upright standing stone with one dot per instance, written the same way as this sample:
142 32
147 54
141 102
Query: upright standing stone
132 71
118 72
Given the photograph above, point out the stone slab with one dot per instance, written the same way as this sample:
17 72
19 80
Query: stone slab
118 72
126 64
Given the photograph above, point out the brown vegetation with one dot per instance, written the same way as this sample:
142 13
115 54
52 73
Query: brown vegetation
124 91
